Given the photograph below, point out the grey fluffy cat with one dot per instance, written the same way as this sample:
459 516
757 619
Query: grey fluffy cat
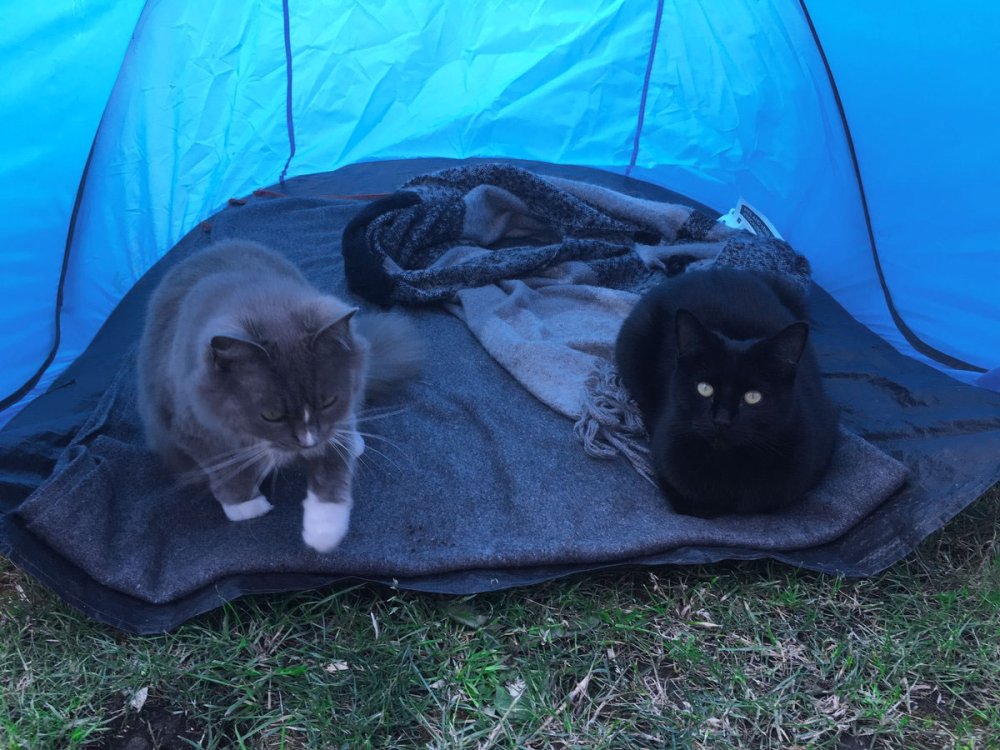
244 367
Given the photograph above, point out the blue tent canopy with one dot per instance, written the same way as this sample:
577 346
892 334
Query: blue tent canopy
126 123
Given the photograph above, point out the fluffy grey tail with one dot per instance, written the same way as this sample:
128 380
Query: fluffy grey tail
396 352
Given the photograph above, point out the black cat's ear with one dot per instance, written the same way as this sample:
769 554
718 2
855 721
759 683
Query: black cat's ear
228 350
691 334
337 333
788 344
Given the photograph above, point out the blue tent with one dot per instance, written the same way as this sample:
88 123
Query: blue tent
864 133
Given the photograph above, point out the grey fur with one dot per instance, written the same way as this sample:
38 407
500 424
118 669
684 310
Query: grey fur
244 366
396 352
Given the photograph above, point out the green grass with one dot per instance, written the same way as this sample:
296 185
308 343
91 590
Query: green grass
752 655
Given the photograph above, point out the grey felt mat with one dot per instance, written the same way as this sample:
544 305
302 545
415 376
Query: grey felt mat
88 513
474 474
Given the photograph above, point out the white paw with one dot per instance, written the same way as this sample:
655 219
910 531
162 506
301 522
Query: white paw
258 506
324 524
357 445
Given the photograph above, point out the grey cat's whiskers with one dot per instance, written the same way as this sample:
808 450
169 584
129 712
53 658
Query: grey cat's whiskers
337 441
341 451
384 439
231 468
370 464
234 466
370 415
238 455
198 476
266 467
363 461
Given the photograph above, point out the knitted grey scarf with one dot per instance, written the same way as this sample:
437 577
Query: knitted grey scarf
544 270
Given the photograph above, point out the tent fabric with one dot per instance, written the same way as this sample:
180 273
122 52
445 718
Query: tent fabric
74 474
58 62
921 98
716 100
865 136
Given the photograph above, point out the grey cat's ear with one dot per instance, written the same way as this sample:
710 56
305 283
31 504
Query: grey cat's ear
337 333
691 334
788 344
228 350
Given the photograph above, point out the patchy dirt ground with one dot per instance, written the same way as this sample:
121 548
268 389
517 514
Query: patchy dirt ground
157 726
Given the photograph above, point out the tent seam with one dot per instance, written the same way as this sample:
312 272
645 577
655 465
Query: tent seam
25 388
645 87
908 333
289 119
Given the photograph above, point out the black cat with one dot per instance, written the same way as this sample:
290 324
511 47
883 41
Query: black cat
720 366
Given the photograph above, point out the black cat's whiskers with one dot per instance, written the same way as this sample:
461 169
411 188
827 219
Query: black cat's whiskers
738 435
683 430
767 445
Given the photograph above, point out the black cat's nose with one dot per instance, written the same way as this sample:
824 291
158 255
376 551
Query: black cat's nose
722 418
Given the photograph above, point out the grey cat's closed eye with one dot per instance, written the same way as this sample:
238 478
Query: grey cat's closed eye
332 400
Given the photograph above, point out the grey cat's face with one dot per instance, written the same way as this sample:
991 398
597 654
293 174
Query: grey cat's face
293 393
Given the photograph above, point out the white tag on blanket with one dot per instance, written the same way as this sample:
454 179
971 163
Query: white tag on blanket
745 216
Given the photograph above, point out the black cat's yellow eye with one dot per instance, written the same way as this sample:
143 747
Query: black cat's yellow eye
752 397
705 389
270 415
330 402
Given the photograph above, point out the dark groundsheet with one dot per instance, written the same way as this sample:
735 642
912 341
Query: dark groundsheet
481 486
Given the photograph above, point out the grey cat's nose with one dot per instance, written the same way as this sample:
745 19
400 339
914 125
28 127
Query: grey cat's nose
306 439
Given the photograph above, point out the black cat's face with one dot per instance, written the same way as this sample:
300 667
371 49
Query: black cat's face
292 397
732 393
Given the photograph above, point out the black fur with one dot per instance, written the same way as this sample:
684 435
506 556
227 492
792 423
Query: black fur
738 331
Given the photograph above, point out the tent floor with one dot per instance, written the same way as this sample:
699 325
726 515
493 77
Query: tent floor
477 486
